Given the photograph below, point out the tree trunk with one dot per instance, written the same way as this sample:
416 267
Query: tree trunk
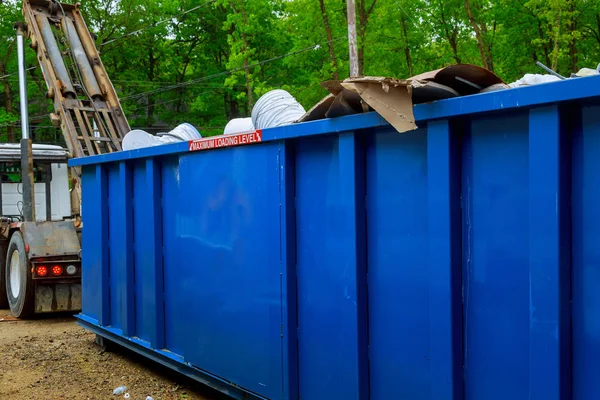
483 50
544 45
8 99
361 30
336 74
246 63
8 105
573 44
406 47
231 106
598 26
454 45
151 102
450 36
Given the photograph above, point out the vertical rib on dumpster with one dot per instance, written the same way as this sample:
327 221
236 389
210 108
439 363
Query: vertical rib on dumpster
586 255
331 274
444 262
102 190
289 304
495 189
549 256
155 257
399 280
121 249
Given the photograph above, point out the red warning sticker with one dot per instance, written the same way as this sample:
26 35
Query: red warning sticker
217 142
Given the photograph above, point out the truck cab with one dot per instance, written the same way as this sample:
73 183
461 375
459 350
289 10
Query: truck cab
40 262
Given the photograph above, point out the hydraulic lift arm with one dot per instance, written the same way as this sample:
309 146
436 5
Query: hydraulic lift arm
86 105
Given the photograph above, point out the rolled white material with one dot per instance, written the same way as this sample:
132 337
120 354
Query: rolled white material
276 108
183 132
239 125
138 139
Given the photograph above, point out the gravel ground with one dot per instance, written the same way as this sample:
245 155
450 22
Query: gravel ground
52 358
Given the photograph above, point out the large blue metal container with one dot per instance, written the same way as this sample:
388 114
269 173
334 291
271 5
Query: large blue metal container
339 259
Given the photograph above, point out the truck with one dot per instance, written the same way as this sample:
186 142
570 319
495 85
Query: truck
40 261
40 218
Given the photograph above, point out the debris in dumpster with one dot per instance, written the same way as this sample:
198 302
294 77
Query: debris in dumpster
533 79
388 96
495 88
137 139
394 98
431 91
276 108
119 391
391 98
239 125
586 72
536 79
466 79
550 71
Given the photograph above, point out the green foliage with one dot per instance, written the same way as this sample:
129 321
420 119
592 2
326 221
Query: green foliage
209 65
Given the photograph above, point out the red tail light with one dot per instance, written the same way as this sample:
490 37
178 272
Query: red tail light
57 270
41 271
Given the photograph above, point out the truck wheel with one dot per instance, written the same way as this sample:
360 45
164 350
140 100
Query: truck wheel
19 285
3 299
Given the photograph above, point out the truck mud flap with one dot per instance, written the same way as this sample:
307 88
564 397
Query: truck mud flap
58 297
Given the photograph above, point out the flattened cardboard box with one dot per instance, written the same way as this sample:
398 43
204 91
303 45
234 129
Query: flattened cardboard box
391 98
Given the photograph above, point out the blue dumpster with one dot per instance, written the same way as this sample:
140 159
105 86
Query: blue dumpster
339 259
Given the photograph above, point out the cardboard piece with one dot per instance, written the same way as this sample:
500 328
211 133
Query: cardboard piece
319 110
391 98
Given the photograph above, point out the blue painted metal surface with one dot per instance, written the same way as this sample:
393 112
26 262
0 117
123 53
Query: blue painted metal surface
339 259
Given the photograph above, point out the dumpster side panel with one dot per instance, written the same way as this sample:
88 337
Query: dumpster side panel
178 287
122 285
145 305
118 278
400 357
495 258
223 265
331 274
586 255
93 250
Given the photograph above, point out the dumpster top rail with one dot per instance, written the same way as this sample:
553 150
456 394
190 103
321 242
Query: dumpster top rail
578 90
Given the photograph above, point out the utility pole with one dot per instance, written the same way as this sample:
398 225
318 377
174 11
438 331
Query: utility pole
352 45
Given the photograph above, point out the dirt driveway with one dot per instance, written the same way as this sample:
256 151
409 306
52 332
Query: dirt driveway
53 358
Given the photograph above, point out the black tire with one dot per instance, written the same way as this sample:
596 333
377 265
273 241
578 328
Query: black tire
3 298
21 305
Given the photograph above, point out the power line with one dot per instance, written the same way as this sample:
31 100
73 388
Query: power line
228 72
35 118
16 73
166 102
158 23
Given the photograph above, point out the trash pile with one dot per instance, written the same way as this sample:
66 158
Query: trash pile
275 108
137 139
536 79
392 98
